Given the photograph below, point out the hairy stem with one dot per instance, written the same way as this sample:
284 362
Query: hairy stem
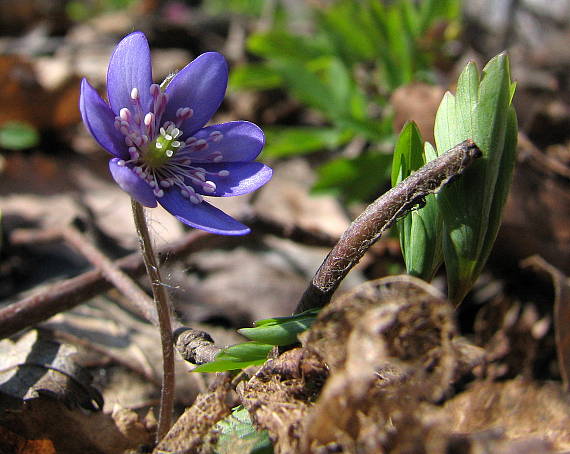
379 216
165 326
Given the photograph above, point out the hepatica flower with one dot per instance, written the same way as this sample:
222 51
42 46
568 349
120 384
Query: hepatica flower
162 153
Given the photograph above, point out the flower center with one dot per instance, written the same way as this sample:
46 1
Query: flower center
159 157
162 148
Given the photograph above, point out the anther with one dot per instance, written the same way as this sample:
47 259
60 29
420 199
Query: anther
209 187
223 173
195 198
216 136
121 163
134 94
125 114
154 90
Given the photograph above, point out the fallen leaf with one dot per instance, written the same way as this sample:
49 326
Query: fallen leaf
35 366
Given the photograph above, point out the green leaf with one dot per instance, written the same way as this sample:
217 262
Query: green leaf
16 135
508 161
239 436
354 179
254 77
344 28
281 45
280 330
236 357
471 206
407 153
282 142
310 89
420 230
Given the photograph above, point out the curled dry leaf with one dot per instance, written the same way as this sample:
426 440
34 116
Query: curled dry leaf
401 322
369 364
48 396
392 352
33 367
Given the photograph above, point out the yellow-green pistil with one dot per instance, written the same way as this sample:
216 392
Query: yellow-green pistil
163 148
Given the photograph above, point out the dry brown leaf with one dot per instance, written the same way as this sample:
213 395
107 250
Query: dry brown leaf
409 317
519 409
193 432
35 366
11 442
388 344
279 396
417 102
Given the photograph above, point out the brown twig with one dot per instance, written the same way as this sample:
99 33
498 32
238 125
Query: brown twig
193 345
69 293
137 299
379 216
293 232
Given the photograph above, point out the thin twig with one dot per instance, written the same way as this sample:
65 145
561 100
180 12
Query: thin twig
380 216
69 293
136 297
165 326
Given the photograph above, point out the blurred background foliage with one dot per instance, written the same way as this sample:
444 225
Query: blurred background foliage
345 68
338 61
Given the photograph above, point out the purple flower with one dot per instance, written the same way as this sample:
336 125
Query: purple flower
162 151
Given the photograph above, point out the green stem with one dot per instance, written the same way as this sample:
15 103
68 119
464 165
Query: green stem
163 310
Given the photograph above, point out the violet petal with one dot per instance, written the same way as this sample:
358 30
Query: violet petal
201 86
240 141
131 183
129 68
100 121
244 177
201 216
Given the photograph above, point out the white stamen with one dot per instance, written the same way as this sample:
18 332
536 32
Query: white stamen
158 192
154 90
125 114
121 163
209 187
223 173
216 136
134 93
158 145
148 118
169 153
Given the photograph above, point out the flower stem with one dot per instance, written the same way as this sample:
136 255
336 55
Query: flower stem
163 309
